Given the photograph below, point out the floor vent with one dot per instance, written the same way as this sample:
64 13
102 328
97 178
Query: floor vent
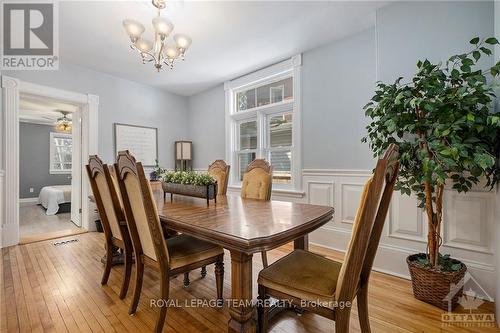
64 242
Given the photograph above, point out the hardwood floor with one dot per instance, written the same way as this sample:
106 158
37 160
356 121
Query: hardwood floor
47 288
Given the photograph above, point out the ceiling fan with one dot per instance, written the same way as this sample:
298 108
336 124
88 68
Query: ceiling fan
64 124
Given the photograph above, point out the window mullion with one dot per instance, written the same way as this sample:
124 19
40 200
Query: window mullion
261 132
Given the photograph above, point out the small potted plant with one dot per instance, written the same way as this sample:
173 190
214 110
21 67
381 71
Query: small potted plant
448 137
189 183
157 171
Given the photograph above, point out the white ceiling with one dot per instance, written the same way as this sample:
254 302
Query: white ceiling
41 110
230 38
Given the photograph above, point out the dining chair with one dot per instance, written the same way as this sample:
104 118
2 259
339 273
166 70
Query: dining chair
174 255
257 184
108 201
327 287
219 170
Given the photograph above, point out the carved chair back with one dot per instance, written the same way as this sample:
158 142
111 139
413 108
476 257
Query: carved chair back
220 171
257 180
140 210
368 226
106 197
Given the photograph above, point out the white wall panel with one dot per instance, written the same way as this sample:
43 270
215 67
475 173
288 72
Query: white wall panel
406 220
349 195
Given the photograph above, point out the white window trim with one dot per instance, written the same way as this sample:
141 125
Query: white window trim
275 72
51 152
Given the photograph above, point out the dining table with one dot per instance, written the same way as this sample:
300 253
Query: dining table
243 227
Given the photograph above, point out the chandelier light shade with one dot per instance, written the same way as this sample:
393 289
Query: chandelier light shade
143 45
162 26
133 28
157 51
183 42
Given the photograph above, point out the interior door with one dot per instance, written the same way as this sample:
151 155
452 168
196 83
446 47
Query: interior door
76 170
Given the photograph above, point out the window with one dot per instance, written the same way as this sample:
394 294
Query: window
265 94
61 148
263 122
279 149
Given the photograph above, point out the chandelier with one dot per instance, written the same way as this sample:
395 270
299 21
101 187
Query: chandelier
64 124
158 51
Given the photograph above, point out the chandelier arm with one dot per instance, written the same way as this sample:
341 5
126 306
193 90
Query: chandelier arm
160 54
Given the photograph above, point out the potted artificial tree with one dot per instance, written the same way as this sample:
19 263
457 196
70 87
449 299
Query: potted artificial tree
448 137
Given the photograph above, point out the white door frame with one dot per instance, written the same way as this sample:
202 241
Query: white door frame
11 88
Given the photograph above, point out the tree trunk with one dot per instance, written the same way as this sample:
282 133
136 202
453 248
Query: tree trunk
431 235
434 221
438 219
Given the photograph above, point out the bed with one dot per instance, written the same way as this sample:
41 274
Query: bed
55 198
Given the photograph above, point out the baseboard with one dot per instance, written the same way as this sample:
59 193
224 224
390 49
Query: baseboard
28 200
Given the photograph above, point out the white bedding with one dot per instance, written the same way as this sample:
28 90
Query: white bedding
51 196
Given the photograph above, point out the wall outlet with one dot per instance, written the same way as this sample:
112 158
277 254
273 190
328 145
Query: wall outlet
32 190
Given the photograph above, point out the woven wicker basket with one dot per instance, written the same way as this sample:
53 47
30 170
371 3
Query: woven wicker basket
431 285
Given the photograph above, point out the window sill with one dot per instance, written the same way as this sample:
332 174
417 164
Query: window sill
58 172
278 192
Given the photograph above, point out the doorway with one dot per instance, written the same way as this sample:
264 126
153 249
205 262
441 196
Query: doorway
49 154
12 89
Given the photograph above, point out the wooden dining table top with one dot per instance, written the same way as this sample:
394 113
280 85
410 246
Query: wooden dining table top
244 225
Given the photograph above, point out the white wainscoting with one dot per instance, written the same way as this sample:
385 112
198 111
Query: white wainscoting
467 228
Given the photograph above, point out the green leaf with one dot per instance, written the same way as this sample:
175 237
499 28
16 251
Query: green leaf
470 117
476 55
491 41
485 50
467 62
474 40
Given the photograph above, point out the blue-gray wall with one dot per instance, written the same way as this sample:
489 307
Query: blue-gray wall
34 147
339 78
121 101
337 81
434 30
207 127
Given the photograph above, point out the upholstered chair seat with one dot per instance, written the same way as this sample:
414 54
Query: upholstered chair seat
185 250
302 274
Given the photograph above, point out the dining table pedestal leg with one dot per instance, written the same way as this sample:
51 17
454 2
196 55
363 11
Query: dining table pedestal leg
301 243
240 306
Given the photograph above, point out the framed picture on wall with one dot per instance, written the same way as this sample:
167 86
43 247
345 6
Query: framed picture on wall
141 141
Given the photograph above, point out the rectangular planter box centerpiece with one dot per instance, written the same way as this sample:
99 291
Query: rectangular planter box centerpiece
208 192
